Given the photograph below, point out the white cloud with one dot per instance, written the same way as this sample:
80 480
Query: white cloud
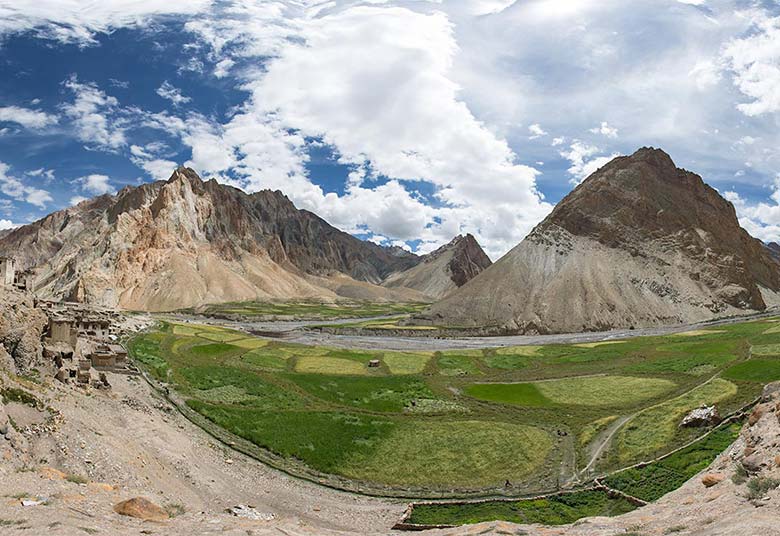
583 160
222 68
536 131
26 117
755 62
7 224
401 118
760 219
173 94
95 184
16 189
93 114
76 199
605 130
77 21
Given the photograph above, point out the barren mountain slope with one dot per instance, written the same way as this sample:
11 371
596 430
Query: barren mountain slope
638 243
185 242
441 271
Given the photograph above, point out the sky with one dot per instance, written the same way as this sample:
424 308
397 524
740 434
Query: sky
402 122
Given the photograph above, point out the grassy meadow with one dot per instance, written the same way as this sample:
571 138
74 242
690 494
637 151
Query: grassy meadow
466 420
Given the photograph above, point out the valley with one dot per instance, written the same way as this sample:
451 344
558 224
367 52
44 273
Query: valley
355 419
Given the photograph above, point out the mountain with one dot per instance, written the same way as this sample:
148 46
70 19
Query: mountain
441 271
185 242
638 243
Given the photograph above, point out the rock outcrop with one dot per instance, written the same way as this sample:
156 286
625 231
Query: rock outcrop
639 243
185 242
441 271
21 328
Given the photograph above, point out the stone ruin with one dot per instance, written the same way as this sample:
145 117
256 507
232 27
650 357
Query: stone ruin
10 277
79 339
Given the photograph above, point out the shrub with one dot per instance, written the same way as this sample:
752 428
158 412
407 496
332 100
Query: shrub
759 486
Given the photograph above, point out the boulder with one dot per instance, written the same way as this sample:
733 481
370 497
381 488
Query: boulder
755 415
141 508
752 463
703 416
711 479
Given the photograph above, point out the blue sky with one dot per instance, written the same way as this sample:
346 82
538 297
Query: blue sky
404 122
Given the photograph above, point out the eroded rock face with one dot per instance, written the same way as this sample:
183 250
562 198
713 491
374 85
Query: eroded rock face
441 271
184 242
639 243
21 328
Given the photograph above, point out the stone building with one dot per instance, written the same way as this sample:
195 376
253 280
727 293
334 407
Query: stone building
25 280
108 356
62 329
7 271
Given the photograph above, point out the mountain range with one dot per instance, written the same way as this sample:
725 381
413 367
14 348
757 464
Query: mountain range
640 242
185 242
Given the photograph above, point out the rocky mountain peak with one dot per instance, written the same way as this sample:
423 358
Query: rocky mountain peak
639 242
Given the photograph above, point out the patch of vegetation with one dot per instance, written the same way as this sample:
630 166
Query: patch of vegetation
329 365
521 394
174 509
740 475
650 430
487 453
456 363
323 440
556 510
592 429
147 351
754 370
20 396
76 479
405 362
585 391
766 349
659 478
758 487
382 393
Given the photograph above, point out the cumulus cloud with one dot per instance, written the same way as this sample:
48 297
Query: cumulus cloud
605 130
95 184
169 92
755 62
148 159
401 118
26 117
583 160
536 131
93 114
761 219
15 188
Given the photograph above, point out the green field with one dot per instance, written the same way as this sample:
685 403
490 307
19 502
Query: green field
556 510
462 420
307 310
